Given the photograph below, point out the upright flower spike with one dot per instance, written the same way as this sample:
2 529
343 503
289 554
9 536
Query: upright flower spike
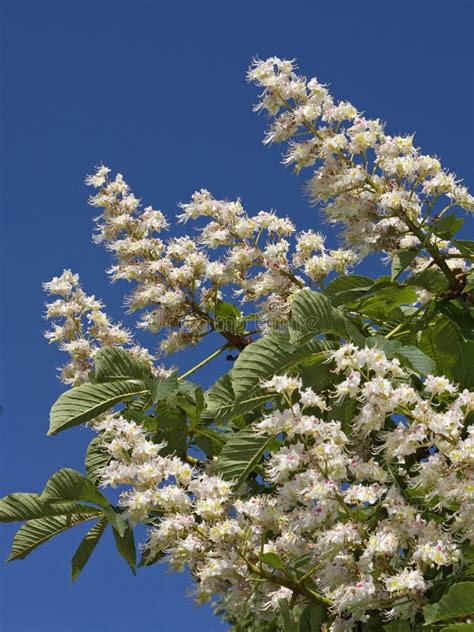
79 326
178 282
375 185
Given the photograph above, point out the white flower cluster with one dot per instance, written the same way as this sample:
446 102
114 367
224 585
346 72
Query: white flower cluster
179 284
345 505
378 186
80 327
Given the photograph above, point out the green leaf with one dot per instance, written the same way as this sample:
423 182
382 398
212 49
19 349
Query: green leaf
448 226
67 484
163 388
432 280
414 358
222 404
191 400
35 532
86 548
239 391
272 559
318 376
355 335
23 506
397 626
469 287
258 361
382 303
343 412
126 547
233 408
458 627
228 318
266 357
214 441
112 364
312 315
312 619
457 602
453 355
241 454
221 394
465 247
289 624
401 260
96 459
148 558
409 355
176 440
461 317
84 402
347 288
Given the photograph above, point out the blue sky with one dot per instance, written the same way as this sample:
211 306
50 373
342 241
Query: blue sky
157 91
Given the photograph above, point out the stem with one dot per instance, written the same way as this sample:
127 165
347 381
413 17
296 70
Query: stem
192 460
400 326
308 574
431 248
280 581
205 361
394 330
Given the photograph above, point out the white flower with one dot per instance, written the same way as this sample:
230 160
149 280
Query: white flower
405 582
282 384
439 385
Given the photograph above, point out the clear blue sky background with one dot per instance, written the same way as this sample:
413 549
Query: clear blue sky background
157 91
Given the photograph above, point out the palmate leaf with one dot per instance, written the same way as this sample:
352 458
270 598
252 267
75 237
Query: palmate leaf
431 280
401 260
148 558
35 532
67 484
465 246
112 364
233 408
86 548
454 356
409 355
287 618
456 603
222 404
273 560
228 318
347 288
126 547
83 403
414 358
312 315
24 506
239 391
383 303
96 458
312 619
241 454
266 357
221 395
162 388
448 226
259 361
397 626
